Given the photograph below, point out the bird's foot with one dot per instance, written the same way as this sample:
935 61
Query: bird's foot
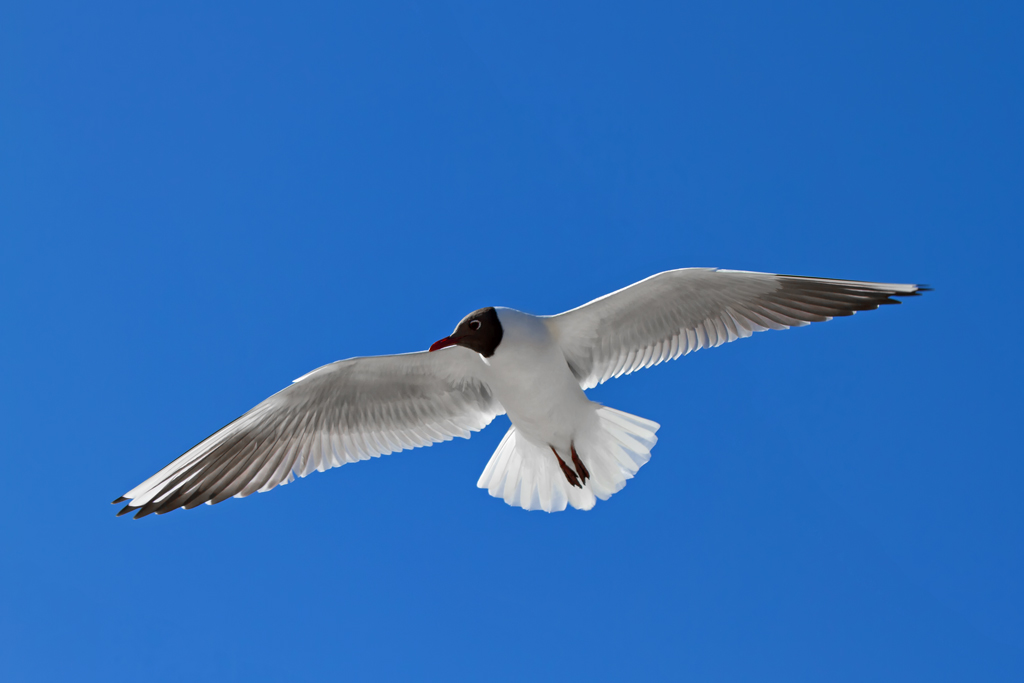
567 471
578 464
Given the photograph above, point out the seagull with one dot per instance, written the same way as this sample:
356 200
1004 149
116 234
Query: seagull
561 449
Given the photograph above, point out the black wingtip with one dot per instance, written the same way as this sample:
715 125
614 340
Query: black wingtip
119 500
917 292
125 510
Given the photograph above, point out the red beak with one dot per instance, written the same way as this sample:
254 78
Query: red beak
441 343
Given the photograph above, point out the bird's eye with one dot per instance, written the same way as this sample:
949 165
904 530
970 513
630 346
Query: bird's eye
474 324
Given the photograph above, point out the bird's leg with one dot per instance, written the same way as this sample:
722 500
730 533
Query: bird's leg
578 464
566 470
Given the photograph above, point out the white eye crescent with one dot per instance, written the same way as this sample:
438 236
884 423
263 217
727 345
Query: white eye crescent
474 324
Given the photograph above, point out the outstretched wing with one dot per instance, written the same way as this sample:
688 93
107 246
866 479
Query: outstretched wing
673 313
350 410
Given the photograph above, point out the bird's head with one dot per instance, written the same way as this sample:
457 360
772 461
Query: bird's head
479 331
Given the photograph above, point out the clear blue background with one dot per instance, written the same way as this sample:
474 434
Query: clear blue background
200 203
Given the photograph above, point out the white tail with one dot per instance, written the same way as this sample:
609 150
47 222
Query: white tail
526 474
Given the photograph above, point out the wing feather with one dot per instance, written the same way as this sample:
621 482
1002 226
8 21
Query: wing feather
673 313
347 411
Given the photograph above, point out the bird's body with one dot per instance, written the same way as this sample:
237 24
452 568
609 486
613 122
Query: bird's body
530 378
561 449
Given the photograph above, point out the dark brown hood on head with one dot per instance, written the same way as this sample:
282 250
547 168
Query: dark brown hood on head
479 331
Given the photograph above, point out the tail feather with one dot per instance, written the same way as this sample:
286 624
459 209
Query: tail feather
525 474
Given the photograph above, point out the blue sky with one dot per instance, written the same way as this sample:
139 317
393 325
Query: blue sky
199 204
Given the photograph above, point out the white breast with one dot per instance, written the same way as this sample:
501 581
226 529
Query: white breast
532 381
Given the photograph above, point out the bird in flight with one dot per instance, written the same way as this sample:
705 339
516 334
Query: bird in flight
562 448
